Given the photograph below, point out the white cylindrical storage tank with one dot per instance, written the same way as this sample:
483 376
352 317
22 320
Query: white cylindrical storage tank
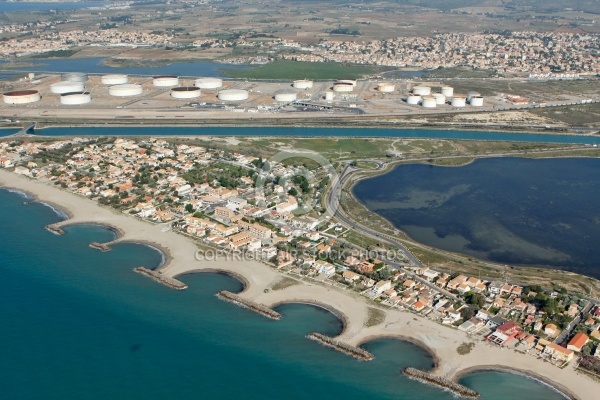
472 94
114 79
343 87
350 81
386 87
74 77
127 89
185 92
285 95
233 95
21 97
421 90
429 102
412 99
167 80
458 102
439 98
66 87
476 101
208 83
75 98
447 91
302 84
329 95
31 75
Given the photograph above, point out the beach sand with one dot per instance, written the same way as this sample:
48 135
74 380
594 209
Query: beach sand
441 341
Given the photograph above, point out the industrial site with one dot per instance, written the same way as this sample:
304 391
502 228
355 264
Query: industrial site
172 97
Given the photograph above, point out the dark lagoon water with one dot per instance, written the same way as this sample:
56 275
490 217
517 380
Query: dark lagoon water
80 324
93 65
508 210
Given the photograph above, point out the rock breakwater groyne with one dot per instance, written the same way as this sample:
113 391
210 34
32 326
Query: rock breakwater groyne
425 377
165 280
352 351
249 304
55 229
99 246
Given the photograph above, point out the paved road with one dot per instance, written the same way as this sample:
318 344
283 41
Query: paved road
566 333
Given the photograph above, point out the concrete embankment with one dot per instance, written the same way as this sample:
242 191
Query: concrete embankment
55 229
352 351
165 280
455 388
99 246
239 301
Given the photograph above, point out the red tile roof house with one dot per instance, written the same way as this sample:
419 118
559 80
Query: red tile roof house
578 341
504 333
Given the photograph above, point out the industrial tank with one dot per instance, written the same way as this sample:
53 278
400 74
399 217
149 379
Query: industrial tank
302 84
413 99
208 83
74 77
429 102
343 87
75 98
233 95
386 87
66 87
21 97
421 90
458 101
447 91
350 81
164 81
439 98
127 89
285 95
185 92
329 95
114 79
476 101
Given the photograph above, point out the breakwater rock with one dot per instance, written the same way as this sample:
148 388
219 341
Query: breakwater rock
55 229
165 280
249 304
456 388
352 351
99 246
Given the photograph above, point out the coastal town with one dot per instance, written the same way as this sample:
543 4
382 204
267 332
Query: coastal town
211 196
507 53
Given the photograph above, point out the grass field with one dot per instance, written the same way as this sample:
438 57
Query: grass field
283 69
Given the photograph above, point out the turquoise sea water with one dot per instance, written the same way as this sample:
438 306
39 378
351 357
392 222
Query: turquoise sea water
76 323
520 211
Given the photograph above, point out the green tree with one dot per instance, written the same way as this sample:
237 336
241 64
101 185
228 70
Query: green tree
189 208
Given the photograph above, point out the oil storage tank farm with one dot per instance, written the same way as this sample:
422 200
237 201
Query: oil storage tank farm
208 83
127 89
439 98
165 81
75 98
233 95
447 91
185 92
66 87
114 79
21 97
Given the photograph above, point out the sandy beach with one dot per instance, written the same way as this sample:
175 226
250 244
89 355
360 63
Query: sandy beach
441 341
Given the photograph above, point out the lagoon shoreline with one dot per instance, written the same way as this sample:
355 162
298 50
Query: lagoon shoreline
439 340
